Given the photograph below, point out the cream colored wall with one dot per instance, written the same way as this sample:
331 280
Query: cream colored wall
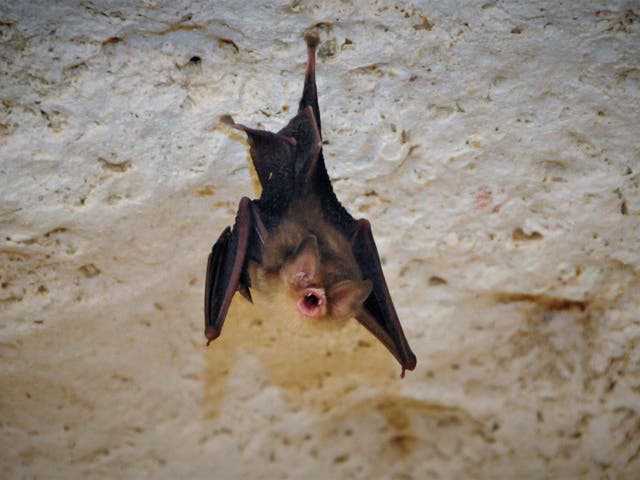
494 147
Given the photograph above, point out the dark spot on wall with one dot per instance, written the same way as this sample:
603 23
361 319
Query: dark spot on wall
228 41
519 235
435 281
111 41
115 166
89 270
544 301
623 208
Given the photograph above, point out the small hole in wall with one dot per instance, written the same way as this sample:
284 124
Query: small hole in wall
341 458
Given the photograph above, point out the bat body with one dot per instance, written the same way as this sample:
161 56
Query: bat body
297 243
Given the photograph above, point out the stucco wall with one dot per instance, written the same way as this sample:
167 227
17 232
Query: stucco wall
493 146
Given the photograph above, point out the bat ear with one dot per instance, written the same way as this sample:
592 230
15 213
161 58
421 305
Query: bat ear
347 296
303 264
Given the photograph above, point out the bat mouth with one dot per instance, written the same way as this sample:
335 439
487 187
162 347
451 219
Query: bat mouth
311 302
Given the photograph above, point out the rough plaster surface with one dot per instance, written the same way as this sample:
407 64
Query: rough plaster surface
494 146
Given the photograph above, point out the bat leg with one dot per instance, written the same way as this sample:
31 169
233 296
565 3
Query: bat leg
261 230
379 315
310 91
243 286
225 269
311 147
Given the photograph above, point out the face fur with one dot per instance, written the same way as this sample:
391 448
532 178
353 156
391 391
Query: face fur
310 295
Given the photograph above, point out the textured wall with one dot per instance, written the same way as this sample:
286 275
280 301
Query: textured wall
494 146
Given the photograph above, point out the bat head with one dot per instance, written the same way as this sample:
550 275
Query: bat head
306 275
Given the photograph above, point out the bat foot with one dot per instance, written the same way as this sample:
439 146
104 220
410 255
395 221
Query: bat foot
312 39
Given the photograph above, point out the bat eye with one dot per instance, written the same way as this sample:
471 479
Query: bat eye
311 301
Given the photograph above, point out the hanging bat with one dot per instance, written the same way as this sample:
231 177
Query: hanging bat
297 243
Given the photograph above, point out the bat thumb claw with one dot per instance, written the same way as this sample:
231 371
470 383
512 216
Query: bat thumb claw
211 334
226 119
230 122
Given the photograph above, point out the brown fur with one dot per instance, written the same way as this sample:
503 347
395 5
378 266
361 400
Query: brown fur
336 264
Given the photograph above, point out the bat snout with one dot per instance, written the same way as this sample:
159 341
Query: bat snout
312 301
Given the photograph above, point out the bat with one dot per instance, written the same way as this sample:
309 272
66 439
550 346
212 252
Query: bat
297 243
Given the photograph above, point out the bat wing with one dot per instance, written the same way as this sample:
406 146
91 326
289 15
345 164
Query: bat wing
273 156
226 267
378 314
